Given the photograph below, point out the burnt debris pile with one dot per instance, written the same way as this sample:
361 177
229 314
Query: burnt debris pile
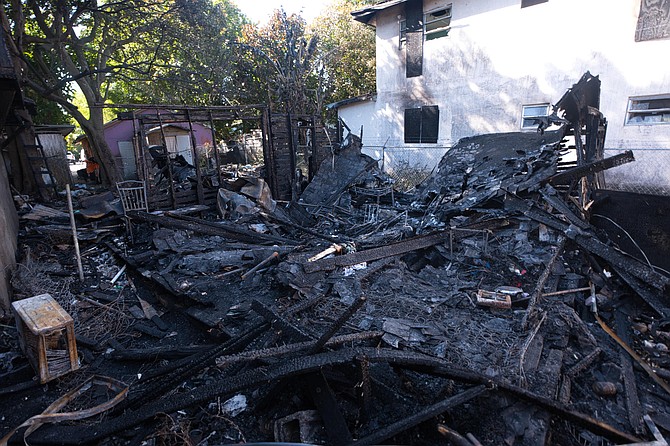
482 308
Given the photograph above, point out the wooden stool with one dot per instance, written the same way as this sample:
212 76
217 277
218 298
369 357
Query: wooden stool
46 336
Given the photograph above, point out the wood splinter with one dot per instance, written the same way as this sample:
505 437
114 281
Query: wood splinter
334 249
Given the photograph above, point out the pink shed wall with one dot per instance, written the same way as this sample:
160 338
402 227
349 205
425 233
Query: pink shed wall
116 131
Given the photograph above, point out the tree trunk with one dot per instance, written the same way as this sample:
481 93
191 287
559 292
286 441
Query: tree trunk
94 129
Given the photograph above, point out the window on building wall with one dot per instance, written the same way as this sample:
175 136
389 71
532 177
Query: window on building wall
531 113
525 3
648 110
422 124
435 25
402 33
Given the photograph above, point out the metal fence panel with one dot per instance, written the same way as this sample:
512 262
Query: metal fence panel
407 166
649 174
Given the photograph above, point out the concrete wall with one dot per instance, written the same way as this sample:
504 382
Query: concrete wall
9 222
498 57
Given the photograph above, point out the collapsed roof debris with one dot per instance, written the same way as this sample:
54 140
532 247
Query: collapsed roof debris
483 309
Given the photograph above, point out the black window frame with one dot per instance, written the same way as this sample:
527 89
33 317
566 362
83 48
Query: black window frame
428 32
422 124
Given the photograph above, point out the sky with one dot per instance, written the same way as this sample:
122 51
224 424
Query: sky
259 11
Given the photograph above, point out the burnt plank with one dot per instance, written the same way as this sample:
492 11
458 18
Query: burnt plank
394 249
634 409
324 399
424 415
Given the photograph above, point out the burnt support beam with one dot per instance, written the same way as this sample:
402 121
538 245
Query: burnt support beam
394 249
344 317
203 227
295 348
539 287
229 385
583 364
325 402
424 415
633 406
592 168
278 322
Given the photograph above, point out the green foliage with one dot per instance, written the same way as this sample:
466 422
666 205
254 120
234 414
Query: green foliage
49 112
195 52
285 61
302 67
347 51
195 60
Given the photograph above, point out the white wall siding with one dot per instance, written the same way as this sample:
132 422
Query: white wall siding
498 57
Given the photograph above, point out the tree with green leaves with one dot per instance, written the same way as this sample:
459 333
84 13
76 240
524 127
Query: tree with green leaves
346 51
302 67
285 59
99 44
197 63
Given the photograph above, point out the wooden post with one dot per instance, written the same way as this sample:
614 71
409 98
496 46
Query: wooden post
198 170
74 232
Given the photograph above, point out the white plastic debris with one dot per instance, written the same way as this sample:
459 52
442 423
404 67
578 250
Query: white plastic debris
235 406
349 270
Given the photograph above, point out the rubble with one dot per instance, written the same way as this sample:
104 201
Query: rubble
483 309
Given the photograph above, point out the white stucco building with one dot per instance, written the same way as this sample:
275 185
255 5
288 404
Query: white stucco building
447 69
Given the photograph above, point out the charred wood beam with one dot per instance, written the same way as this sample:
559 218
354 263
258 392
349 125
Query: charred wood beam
305 304
644 290
596 129
160 352
316 234
630 387
295 348
229 385
591 168
394 249
344 317
539 287
166 378
550 195
252 235
424 415
198 169
202 227
591 243
279 322
583 364
325 402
